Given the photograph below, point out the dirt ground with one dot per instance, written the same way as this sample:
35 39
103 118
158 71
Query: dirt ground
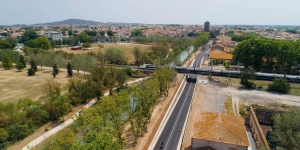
126 47
210 97
15 85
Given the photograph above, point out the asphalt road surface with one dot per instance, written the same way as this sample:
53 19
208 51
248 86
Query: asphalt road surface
170 136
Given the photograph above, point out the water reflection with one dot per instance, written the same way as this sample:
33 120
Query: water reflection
182 56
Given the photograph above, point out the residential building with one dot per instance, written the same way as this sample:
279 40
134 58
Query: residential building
218 52
206 26
219 131
53 35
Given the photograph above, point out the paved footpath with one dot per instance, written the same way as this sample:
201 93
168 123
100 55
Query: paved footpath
44 136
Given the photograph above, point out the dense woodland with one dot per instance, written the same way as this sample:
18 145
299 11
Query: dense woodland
268 55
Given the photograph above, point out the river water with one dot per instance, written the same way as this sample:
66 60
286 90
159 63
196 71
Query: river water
182 56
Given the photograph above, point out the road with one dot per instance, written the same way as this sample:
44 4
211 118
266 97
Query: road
171 134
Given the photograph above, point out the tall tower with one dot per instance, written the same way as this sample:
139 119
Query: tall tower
206 26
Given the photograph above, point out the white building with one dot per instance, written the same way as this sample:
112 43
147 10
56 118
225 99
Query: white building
53 35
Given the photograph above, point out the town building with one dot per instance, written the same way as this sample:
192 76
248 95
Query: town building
218 52
206 26
53 35
212 130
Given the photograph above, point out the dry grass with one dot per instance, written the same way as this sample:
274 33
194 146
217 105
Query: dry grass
295 88
126 47
228 106
15 85
242 110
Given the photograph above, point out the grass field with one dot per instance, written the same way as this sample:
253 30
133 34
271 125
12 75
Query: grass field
126 47
15 85
295 88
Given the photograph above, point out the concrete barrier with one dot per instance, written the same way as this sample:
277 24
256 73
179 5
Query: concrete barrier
168 114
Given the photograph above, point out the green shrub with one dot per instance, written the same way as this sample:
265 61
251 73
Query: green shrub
280 85
31 72
20 66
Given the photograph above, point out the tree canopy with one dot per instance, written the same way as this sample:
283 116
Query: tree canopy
212 34
84 37
287 129
136 32
28 35
7 62
5 45
114 56
268 55
102 33
110 33
43 43
244 36
280 85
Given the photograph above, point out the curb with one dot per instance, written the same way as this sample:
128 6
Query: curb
168 114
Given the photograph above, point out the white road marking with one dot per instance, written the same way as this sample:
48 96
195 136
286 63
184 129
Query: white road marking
177 118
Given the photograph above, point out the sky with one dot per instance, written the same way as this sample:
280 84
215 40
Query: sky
217 12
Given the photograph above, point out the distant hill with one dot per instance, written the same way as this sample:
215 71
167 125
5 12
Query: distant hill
71 22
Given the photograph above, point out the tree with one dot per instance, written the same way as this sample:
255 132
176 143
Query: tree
5 45
40 59
19 66
76 62
115 40
43 43
55 70
29 35
33 65
7 62
22 60
212 34
30 72
53 44
83 37
247 77
230 32
90 33
59 61
70 32
138 55
114 56
31 43
280 85
287 129
137 32
87 63
86 45
102 33
110 33
69 69
12 41
3 135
